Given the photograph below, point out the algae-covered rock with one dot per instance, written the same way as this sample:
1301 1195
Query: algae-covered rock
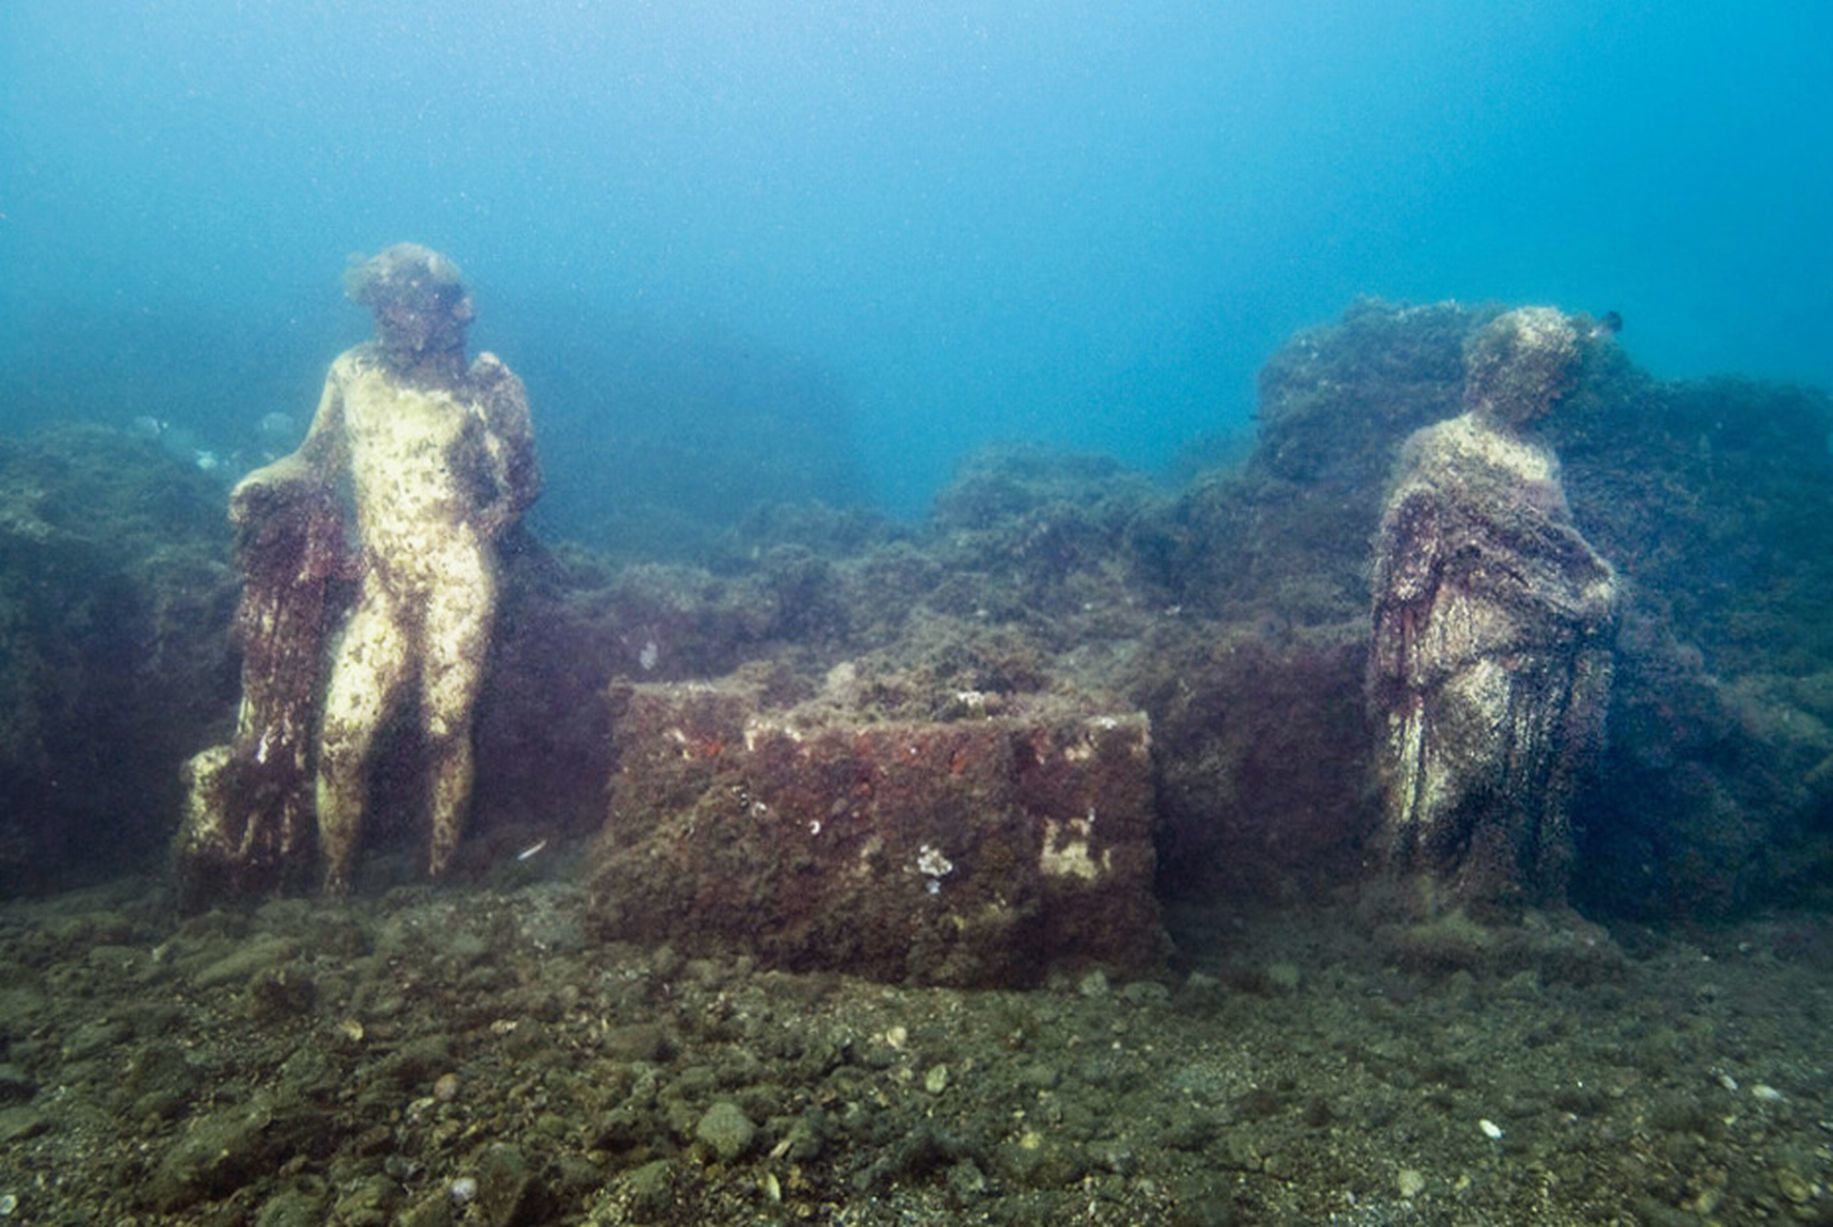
509 1191
980 850
725 1130
114 596
220 1152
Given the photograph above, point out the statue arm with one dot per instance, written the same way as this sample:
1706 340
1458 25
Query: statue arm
1409 548
1409 551
319 456
509 445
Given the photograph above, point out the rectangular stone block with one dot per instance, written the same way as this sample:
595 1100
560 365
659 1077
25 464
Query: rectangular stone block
985 850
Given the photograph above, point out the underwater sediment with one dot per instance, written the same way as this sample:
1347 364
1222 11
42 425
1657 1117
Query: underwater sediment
473 1054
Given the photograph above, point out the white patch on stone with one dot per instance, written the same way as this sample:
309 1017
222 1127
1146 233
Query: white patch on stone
1066 853
932 864
757 729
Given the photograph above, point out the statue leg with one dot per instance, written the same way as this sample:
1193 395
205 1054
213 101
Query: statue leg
1572 701
1471 844
369 667
1447 757
459 615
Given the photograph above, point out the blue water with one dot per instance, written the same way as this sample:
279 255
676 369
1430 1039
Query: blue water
1079 223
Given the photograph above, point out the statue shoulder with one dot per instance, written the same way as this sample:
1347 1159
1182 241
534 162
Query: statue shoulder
1422 454
488 370
352 362
494 383
1452 434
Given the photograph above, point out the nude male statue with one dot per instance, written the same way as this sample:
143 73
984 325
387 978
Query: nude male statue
436 459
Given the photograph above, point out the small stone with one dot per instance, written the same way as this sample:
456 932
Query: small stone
20 1122
726 1130
1283 976
1145 993
506 1188
936 1080
649 1187
274 994
371 1200
446 1087
1039 1076
1094 984
1410 1181
15 1087
1491 1129
966 1180
1794 1186
243 963
638 1042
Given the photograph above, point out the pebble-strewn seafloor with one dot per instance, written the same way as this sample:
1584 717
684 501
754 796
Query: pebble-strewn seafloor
471 1055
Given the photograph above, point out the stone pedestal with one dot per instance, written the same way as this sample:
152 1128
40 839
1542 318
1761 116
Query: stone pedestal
984 850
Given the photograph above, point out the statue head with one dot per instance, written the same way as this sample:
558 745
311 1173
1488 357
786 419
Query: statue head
420 304
1518 366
